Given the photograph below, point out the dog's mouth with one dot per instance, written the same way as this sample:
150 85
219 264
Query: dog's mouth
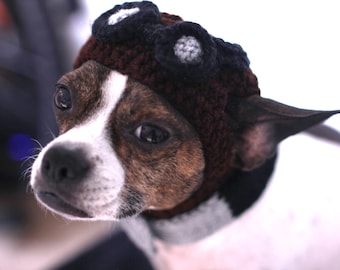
56 203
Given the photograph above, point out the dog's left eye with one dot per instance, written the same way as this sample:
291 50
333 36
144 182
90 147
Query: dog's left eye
151 134
62 98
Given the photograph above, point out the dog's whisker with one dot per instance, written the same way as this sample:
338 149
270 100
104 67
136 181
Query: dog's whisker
27 165
29 189
26 173
53 136
29 160
40 146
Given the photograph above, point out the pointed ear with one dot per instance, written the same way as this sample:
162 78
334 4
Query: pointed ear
259 124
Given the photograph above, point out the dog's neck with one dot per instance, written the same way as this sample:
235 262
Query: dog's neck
235 197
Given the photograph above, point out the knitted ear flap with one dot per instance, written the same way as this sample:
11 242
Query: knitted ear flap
260 124
187 50
124 22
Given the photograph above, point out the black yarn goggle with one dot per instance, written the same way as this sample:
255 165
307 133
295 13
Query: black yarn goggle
184 48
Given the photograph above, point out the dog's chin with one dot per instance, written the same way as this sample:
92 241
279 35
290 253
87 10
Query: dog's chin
59 206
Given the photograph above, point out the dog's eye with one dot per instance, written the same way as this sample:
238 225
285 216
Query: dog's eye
62 98
151 134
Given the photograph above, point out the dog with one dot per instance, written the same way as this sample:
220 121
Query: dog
130 153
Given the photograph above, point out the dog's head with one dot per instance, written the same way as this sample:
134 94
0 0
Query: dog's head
123 148
142 128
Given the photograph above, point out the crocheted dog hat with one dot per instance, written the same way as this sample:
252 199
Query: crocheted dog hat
194 71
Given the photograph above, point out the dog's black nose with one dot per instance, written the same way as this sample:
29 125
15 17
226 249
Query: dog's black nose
60 164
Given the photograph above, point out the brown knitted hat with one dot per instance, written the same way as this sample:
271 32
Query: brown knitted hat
182 62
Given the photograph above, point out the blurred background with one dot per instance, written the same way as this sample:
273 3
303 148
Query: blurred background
293 47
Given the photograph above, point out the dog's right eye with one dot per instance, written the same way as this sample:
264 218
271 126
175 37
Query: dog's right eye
62 98
151 134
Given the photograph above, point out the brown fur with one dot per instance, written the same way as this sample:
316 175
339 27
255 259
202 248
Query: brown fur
164 174
83 84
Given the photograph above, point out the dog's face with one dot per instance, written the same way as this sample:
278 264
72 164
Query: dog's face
122 149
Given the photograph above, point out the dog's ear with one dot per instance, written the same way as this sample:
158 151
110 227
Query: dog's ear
259 124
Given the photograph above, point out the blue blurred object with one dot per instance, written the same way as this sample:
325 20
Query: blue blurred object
20 146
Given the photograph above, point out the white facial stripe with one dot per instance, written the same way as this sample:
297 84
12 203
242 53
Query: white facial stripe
112 90
93 135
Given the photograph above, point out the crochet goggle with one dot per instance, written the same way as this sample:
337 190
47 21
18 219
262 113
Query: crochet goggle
184 48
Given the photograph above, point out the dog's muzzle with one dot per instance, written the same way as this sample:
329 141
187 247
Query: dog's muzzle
62 171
